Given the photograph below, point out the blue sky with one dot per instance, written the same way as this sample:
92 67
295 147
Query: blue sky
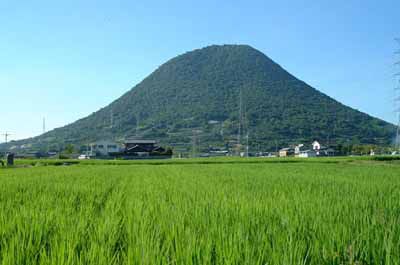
66 60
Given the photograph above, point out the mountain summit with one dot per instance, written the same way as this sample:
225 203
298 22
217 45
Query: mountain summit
216 97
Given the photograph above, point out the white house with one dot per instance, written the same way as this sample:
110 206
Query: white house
103 148
315 149
307 153
298 149
316 146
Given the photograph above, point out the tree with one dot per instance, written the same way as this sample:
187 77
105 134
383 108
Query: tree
69 149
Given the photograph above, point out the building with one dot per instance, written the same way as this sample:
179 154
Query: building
317 149
298 149
316 146
307 153
142 148
327 151
284 152
104 148
322 150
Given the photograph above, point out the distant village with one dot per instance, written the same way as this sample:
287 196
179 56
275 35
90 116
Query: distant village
105 149
149 149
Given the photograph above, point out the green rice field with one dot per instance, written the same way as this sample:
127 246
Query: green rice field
205 211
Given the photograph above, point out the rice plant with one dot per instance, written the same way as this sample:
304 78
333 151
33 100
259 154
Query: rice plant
199 213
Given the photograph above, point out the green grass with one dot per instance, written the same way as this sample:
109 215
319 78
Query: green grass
224 211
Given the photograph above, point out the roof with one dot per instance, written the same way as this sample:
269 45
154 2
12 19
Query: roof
286 149
134 141
308 151
103 142
137 148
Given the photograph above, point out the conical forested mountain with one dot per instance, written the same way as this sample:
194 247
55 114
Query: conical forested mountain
203 97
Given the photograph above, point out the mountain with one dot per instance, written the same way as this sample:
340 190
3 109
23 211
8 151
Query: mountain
202 97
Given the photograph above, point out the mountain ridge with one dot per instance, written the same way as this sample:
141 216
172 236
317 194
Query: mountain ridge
196 95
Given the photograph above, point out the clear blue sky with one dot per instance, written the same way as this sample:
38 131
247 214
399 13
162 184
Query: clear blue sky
66 59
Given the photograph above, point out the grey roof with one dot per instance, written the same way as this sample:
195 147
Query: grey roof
286 149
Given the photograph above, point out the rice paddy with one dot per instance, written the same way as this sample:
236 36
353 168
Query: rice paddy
227 212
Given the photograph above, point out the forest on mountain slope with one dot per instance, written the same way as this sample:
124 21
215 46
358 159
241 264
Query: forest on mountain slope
214 98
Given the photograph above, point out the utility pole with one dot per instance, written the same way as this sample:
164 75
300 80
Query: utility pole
246 124
240 120
87 150
334 128
112 119
194 144
6 134
44 125
247 144
137 123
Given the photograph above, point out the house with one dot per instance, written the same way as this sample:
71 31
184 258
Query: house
307 153
142 148
372 152
315 149
214 151
284 152
298 149
103 148
327 151
316 146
